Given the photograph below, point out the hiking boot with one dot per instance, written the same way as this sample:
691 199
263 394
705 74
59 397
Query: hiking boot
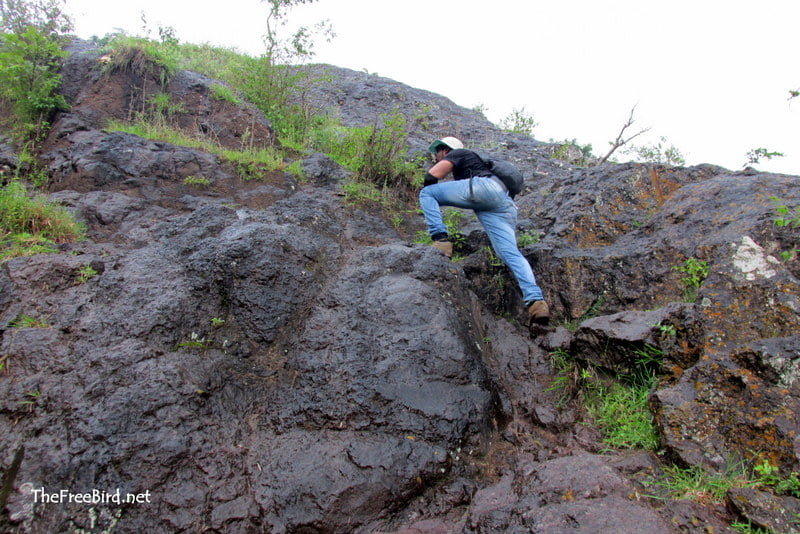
445 247
538 313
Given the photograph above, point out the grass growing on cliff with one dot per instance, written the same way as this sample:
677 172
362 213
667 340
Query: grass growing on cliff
621 412
618 407
270 87
143 57
250 163
32 224
375 154
28 321
696 484
711 487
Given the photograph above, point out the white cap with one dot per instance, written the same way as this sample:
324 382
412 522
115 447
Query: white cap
450 142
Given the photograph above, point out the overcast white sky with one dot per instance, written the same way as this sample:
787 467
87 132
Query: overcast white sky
712 76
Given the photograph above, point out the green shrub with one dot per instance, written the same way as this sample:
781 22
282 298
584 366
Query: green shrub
696 272
254 163
562 152
86 273
658 153
219 63
296 169
356 192
748 528
375 154
769 476
755 155
160 131
163 108
453 217
343 144
786 216
29 79
382 154
529 237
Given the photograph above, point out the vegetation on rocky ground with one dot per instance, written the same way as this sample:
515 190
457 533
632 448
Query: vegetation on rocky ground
33 224
375 154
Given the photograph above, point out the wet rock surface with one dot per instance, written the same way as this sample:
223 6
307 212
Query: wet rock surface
260 356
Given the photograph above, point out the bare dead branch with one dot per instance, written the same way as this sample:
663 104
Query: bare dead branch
621 140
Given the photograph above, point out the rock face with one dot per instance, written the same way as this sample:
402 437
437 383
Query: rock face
260 356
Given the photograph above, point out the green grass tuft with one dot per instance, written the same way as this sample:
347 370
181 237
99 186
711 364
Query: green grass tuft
33 224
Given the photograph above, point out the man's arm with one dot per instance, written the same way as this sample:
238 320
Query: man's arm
438 171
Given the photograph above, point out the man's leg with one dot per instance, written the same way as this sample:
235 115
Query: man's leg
500 226
455 193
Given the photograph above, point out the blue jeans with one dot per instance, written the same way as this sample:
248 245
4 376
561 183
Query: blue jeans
496 212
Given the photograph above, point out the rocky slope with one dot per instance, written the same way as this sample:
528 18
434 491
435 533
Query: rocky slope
260 356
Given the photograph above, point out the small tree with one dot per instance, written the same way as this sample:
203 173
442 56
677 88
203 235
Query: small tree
519 121
46 15
301 43
30 56
274 90
29 78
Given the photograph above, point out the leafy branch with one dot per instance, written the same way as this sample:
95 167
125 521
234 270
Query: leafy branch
755 155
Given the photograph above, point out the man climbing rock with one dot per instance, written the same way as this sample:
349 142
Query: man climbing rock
475 187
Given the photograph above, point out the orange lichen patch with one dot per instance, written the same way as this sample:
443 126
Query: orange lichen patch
587 233
676 371
764 421
655 180
748 376
661 185
713 314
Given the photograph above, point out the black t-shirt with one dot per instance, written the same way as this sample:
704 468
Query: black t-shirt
466 164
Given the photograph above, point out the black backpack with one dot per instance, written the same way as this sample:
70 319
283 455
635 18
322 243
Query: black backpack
508 173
